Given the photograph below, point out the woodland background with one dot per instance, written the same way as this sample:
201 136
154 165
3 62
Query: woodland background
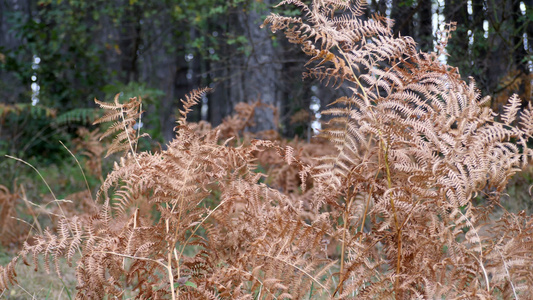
61 54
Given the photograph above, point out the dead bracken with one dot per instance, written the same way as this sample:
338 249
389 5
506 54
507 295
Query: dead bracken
381 207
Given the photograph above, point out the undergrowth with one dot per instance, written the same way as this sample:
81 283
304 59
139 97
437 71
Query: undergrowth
394 201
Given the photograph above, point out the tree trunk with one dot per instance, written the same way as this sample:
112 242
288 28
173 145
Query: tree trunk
520 28
425 31
479 46
130 39
529 29
456 11
499 55
402 13
379 7
252 72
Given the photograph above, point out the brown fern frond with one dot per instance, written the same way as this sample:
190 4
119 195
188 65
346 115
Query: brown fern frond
191 99
394 202
526 120
8 275
419 134
126 116
511 109
90 145
11 230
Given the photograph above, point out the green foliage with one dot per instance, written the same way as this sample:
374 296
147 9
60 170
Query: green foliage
73 49
150 96
85 116
30 131
67 38
58 35
133 89
35 111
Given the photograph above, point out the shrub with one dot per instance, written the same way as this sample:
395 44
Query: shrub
415 145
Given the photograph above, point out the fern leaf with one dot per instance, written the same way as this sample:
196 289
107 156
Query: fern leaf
527 120
78 115
191 99
511 109
126 115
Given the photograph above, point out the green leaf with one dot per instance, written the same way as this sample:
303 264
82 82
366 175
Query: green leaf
188 283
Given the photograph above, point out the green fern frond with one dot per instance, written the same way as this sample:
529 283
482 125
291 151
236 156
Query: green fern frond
78 115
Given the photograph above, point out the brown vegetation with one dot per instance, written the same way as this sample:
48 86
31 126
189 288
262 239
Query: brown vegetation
388 213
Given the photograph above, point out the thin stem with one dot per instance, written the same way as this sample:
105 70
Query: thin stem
361 254
480 260
32 212
299 269
369 197
170 275
367 204
134 257
365 96
81 169
398 228
140 123
35 169
128 136
40 175
198 226
169 260
345 229
506 271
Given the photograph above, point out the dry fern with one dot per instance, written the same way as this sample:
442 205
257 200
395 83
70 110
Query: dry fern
388 209
90 145
8 229
419 144
125 116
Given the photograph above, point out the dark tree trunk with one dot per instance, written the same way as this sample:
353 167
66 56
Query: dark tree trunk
13 86
479 47
402 13
520 28
529 27
425 31
499 56
379 7
250 76
218 100
456 11
130 39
